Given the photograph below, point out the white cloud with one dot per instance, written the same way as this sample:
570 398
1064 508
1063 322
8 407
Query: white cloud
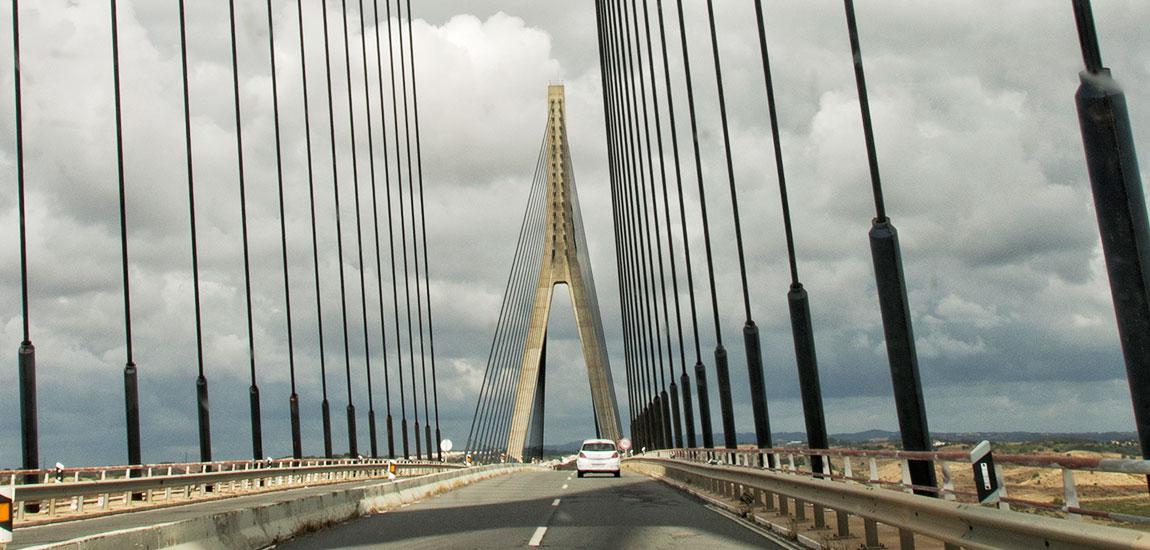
977 140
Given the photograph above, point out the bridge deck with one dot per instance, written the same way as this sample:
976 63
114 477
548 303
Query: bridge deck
508 512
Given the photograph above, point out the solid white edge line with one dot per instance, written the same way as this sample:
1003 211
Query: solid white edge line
556 503
537 538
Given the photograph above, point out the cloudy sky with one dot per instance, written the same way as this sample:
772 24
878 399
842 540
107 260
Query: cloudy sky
977 139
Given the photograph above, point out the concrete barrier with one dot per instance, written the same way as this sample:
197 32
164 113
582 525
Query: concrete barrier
262 525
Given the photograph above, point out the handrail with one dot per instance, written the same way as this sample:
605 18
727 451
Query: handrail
188 466
968 525
45 491
1094 464
66 489
1069 504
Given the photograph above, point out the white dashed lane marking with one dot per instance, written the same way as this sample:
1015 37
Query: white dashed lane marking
556 503
537 538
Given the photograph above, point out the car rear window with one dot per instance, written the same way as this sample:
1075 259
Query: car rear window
599 447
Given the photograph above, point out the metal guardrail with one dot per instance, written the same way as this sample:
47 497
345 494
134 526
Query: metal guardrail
850 460
74 491
955 524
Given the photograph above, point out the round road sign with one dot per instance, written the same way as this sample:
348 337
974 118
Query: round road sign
445 445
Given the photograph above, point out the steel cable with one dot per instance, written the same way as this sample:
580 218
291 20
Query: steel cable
676 418
131 387
391 244
688 413
485 393
378 254
391 232
325 406
351 438
293 401
700 373
359 246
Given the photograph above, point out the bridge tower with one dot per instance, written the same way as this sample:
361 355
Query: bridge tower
565 260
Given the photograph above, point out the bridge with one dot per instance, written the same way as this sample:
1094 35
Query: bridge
190 185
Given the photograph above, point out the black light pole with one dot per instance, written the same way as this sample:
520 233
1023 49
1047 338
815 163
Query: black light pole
1121 208
801 329
325 406
29 431
131 385
892 297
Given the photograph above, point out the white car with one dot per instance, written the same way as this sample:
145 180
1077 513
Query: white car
598 455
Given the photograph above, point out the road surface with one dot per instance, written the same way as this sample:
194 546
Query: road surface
552 509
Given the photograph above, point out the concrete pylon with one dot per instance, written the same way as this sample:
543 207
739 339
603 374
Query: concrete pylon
565 260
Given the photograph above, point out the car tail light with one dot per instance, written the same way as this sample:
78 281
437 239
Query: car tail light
614 455
582 455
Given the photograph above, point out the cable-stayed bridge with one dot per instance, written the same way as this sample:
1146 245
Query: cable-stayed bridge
362 180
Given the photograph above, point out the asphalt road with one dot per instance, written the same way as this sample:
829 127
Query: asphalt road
548 508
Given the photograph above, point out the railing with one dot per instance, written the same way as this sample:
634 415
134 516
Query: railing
743 476
69 492
851 459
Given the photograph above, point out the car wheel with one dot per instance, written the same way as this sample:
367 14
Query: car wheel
580 474
617 472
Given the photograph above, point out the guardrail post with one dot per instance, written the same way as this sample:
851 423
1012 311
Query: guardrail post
844 524
870 533
905 539
104 497
847 472
820 516
784 504
1001 488
873 470
1070 493
769 500
800 510
947 482
906 482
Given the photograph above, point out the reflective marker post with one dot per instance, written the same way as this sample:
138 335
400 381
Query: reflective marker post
985 479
